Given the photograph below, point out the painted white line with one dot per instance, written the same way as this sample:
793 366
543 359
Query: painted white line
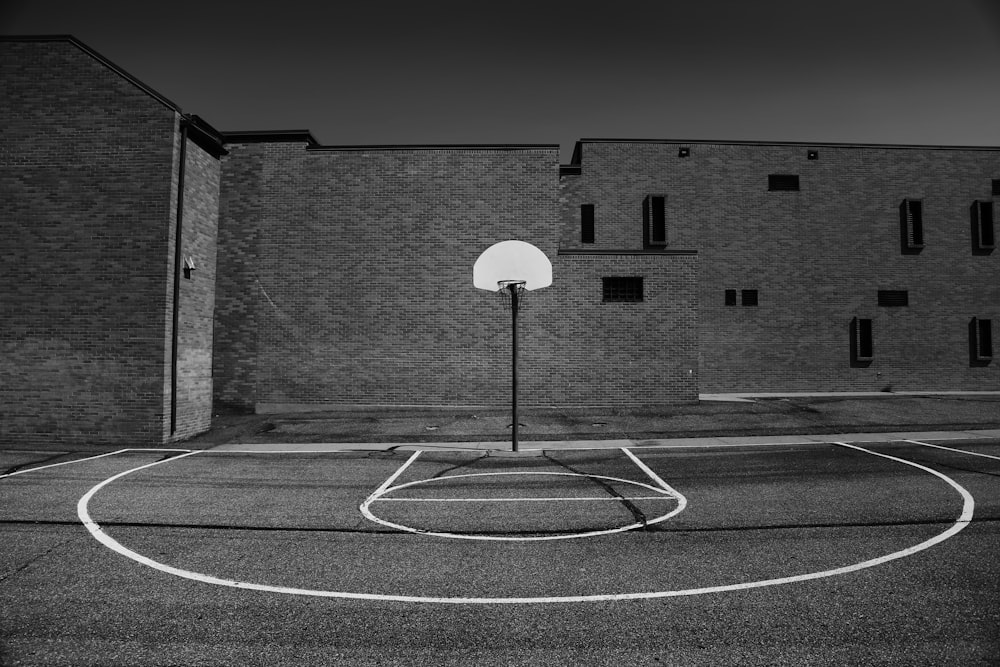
384 489
522 500
89 458
968 507
656 478
952 449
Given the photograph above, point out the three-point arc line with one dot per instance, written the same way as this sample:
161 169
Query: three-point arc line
968 507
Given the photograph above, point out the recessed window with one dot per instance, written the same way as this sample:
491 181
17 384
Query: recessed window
861 342
748 297
623 289
812 155
911 226
996 187
654 221
980 342
782 182
893 298
730 297
587 223
983 239
683 152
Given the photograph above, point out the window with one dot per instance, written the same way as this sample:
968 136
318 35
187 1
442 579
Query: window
980 342
749 297
996 187
684 152
654 222
911 226
627 289
730 297
982 227
861 342
893 298
812 155
587 223
782 182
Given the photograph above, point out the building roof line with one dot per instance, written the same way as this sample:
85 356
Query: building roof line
70 39
804 144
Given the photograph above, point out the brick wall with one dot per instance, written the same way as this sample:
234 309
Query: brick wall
85 190
234 349
817 256
197 292
347 280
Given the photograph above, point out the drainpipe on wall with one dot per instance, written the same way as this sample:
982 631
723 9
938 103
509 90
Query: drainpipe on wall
175 337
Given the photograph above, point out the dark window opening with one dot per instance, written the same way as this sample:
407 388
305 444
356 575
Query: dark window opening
683 152
893 297
654 221
730 297
622 289
812 155
911 226
749 297
587 223
983 238
980 342
782 182
861 342
996 186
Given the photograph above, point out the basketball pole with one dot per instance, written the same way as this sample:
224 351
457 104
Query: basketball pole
513 364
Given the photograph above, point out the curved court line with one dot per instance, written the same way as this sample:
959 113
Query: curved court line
90 458
968 506
387 488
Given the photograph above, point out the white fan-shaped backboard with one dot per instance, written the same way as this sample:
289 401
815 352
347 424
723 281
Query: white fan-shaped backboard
512 260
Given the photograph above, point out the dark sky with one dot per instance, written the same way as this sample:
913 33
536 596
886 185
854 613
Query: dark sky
553 71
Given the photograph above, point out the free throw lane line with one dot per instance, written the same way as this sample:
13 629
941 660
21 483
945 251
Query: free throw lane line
952 449
387 488
968 506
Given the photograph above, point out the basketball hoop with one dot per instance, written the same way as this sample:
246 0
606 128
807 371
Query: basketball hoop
511 292
514 267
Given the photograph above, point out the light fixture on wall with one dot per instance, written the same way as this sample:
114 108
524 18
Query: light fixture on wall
188 266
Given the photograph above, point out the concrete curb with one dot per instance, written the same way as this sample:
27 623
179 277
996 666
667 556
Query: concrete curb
537 445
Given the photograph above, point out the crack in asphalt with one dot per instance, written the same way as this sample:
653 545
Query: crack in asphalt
660 528
637 514
35 559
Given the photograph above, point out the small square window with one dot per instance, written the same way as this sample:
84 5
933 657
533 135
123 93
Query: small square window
812 155
996 187
911 226
587 223
778 182
730 297
683 152
622 289
893 298
749 297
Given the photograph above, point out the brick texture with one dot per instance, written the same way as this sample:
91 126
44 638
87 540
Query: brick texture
817 256
88 187
354 268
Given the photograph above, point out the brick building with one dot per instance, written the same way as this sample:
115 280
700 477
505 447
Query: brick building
341 275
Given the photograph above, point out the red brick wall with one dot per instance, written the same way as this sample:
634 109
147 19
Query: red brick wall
817 256
358 281
85 190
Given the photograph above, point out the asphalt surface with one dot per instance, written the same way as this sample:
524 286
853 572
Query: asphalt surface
821 514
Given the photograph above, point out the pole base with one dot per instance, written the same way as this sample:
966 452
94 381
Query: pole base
519 454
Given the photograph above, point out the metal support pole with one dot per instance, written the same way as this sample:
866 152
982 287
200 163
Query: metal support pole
513 371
